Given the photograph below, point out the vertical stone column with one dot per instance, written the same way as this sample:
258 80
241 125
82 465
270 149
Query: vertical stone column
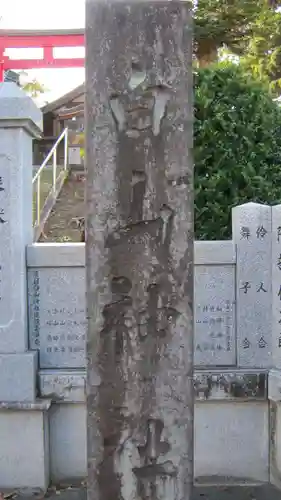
276 286
139 250
274 376
251 224
20 121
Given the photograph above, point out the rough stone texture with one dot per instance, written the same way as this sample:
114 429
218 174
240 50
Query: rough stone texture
251 225
62 385
218 385
237 385
276 286
139 250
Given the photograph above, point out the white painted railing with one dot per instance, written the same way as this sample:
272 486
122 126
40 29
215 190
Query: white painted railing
41 190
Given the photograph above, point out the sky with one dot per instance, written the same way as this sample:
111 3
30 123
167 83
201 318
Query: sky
46 14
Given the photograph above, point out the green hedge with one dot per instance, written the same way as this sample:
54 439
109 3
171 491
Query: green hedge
237 147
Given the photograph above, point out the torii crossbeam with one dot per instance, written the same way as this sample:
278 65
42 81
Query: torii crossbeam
46 40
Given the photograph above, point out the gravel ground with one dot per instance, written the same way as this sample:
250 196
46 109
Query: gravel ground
209 493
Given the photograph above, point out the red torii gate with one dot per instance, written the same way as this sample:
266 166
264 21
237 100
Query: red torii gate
47 40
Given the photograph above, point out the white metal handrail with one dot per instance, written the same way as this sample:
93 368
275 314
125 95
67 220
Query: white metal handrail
37 176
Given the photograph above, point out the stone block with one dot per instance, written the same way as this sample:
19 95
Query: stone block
16 233
68 441
41 255
274 385
219 385
57 318
275 440
18 377
231 442
214 314
251 225
276 286
218 253
62 385
19 110
20 121
230 385
24 445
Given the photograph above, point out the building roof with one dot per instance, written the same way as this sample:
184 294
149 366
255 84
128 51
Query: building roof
65 100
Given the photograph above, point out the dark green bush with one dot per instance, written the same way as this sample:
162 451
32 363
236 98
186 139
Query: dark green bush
237 147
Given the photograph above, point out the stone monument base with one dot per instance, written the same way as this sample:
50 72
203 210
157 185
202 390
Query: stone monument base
24 445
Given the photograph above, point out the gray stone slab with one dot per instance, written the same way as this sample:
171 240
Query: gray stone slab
57 320
230 385
276 286
252 234
214 311
219 385
24 457
73 254
62 385
18 377
274 385
231 442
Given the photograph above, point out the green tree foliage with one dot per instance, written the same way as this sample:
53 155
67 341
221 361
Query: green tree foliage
238 25
237 147
263 52
34 88
223 22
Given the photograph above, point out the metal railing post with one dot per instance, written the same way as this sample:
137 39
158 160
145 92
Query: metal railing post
38 210
37 177
66 149
54 170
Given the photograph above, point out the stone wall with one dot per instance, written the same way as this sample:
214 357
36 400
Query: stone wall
42 336
231 416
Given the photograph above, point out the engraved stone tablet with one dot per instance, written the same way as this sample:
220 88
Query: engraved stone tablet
252 235
214 304
276 286
57 316
57 319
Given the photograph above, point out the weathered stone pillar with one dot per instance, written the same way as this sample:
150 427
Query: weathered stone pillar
24 444
139 250
20 122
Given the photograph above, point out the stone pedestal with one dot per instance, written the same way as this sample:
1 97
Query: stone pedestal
139 250
24 454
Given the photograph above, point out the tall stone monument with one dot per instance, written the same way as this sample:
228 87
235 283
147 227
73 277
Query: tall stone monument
139 250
